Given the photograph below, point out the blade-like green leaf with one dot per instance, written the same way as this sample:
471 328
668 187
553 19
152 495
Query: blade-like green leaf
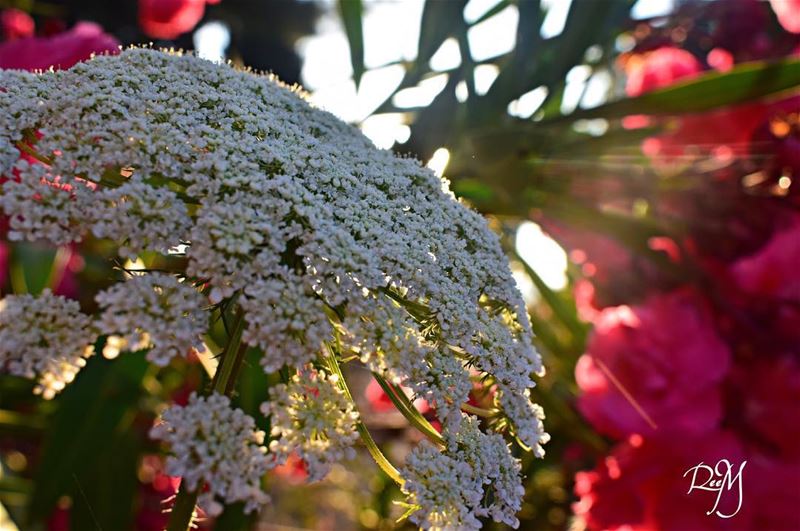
104 492
92 411
351 12
746 82
440 18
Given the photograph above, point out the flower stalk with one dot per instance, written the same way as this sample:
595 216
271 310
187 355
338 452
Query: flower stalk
183 510
376 453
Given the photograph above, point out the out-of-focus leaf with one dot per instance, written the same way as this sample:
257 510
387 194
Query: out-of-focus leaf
92 411
435 126
32 267
352 18
233 518
6 523
499 6
566 313
746 82
18 423
252 388
440 19
104 491
516 67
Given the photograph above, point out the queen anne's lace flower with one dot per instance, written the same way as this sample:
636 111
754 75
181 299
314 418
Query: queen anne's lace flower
45 337
214 444
449 488
287 213
155 312
313 417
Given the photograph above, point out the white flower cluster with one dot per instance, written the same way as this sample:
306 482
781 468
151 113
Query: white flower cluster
140 217
450 487
155 312
215 445
45 337
317 235
312 416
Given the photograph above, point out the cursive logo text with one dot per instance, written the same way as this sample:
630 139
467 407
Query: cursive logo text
720 479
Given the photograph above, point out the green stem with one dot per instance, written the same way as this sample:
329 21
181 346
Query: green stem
481 412
366 436
183 510
406 407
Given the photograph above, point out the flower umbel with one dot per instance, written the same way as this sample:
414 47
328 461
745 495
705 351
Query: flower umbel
312 416
213 443
155 312
45 337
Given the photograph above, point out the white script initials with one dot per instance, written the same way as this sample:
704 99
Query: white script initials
718 479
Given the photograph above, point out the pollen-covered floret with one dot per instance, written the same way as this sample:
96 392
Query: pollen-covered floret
312 416
152 311
45 337
215 445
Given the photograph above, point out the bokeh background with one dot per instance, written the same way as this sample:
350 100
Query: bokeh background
638 159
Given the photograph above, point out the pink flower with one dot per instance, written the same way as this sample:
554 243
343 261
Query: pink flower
773 488
168 19
16 24
652 367
720 59
379 401
60 51
641 486
766 397
659 68
772 272
788 13
770 280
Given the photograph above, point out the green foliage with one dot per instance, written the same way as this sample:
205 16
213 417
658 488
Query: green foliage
91 448
351 12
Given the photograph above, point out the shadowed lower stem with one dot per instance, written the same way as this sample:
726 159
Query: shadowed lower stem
183 510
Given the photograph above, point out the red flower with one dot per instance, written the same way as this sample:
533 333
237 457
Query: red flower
16 24
788 13
654 365
659 68
60 51
168 19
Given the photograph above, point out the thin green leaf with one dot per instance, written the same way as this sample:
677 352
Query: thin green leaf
746 82
351 12
92 410
440 18
499 6
104 491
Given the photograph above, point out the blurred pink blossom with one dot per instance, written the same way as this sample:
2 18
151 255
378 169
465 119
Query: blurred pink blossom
767 394
168 19
788 13
769 278
16 24
665 356
640 486
660 68
60 51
